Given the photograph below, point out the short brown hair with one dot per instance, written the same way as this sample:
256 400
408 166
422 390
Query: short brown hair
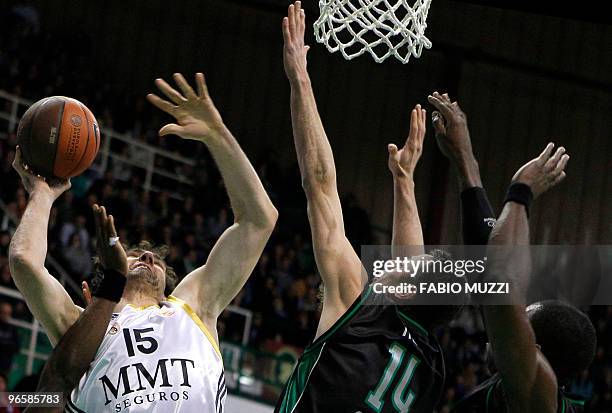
160 250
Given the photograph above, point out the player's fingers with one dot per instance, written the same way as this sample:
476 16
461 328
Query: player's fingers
201 85
392 148
170 129
554 160
286 33
112 232
161 103
441 106
562 163
440 96
17 158
103 222
423 122
95 210
185 87
296 19
18 164
559 178
169 91
446 98
86 292
434 100
298 12
302 22
291 16
414 127
98 222
419 121
546 152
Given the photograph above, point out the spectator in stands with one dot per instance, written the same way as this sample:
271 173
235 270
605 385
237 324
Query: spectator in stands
78 258
5 240
5 274
583 386
75 227
121 205
9 338
218 224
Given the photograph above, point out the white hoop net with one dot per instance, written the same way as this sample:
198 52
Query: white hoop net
382 28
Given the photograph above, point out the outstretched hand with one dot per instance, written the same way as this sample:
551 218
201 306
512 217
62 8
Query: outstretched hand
111 254
545 171
450 126
196 115
402 162
53 187
294 51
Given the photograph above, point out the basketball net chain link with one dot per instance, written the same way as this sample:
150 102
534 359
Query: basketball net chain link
380 27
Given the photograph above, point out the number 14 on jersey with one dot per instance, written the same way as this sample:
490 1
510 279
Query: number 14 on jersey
401 397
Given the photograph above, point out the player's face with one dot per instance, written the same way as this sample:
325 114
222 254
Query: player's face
149 266
411 276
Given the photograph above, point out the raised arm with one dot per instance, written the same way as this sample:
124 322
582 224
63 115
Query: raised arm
337 262
49 302
528 381
78 347
210 288
453 137
407 230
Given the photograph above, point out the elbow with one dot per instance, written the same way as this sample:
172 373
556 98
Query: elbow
18 260
273 216
269 218
264 220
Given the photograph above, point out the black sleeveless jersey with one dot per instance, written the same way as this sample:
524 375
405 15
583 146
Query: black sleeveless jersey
374 359
488 398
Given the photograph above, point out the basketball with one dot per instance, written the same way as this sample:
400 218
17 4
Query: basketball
59 137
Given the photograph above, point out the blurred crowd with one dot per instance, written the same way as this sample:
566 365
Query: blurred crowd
282 292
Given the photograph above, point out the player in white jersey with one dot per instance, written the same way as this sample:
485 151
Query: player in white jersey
161 351
154 359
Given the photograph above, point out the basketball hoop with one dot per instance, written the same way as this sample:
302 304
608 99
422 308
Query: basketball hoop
382 28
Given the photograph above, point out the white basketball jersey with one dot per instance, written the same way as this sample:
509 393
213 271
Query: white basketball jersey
155 359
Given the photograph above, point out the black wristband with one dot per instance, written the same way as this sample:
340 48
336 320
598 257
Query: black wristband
477 216
111 287
521 194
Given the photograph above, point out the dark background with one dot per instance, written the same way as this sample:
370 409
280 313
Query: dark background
522 76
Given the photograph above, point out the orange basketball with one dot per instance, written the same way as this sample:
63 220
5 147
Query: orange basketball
59 137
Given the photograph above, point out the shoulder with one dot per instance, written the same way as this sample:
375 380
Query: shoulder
208 325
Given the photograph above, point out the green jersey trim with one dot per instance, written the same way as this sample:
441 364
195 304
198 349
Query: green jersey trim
296 385
563 403
575 401
489 393
413 323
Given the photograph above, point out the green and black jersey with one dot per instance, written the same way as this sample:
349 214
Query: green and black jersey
375 359
488 398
